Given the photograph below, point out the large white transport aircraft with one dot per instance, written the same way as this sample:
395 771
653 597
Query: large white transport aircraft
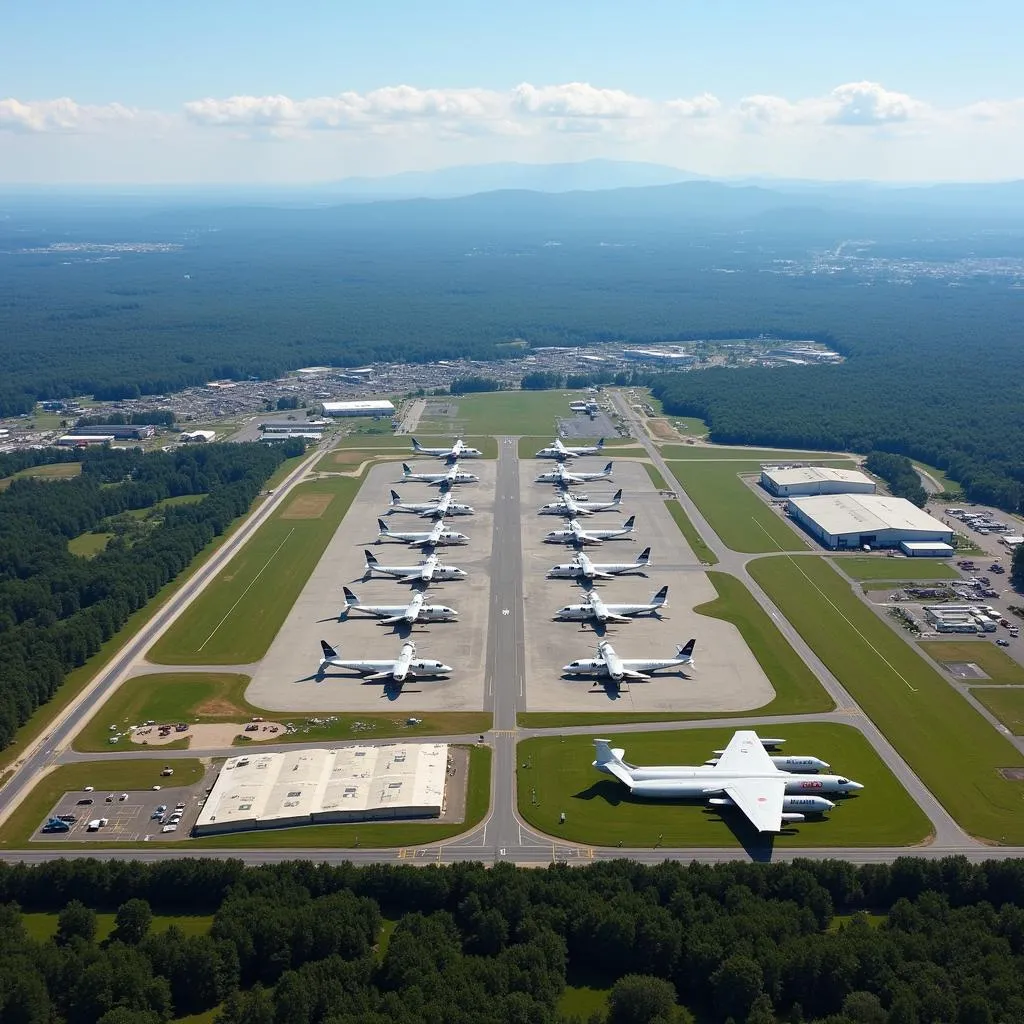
575 534
557 450
394 614
569 506
459 450
595 608
608 665
581 567
436 508
430 570
744 777
563 478
453 475
394 670
435 538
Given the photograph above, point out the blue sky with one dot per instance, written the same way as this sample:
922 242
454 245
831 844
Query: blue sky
937 87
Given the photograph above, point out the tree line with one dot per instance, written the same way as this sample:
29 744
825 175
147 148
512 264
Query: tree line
56 609
899 474
913 942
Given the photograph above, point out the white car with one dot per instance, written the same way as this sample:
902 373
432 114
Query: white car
169 828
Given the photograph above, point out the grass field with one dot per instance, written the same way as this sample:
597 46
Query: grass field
57 471
582 1000
797 691
656 478
996 664
353 726
599 810
705 453
903 569
502 412
44 926
237 616
702 552
88 545
689 425
1006 704
956 753
104 775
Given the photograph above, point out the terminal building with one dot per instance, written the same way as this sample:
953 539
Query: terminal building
369 407
850 521
120 431
319 786
785 482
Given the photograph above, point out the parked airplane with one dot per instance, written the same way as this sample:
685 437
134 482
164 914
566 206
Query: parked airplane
392 614
593 607
573 533
744 777
581 567
557 450
788 762
449 478
396 670
429 570
437 536
564 478
436 508
567 505
459 450
609 665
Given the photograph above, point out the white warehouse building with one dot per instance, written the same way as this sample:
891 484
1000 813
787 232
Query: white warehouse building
850 521
317 786
368 407
784 482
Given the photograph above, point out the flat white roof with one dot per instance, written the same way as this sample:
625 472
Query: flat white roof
815 474
926 545
866 513
366 405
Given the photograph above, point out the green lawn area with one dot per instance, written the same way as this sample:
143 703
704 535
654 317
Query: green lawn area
689 425
88 545
105 776
1006 704
656 478
56 471
702 552
583 1001
797 690
503 412
903 569
237 616
623 447
44 926
956 753
354 726
600 812
995 663
704 453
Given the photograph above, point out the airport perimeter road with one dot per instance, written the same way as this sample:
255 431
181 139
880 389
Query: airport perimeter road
44 753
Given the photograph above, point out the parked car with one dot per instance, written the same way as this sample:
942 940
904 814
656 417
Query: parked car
1003 642
168 770
84 801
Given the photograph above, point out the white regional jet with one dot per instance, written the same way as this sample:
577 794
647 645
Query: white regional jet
744 777
581 567
573 533
561 476
436 508
557 450
459 450
608 665
437 536
569 506
394 614
449 478
395 670
430 570
593 607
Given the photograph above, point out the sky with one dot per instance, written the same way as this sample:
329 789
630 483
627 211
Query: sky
267 92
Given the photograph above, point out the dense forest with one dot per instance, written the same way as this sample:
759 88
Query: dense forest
914 942
57 609
899 474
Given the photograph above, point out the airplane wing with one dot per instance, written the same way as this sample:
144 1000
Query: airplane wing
759 799
745 753
611 616
377 676
392 620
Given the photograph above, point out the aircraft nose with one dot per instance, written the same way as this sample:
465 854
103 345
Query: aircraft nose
856 785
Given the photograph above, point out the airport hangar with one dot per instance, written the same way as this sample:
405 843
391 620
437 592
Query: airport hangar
845 522
801 481
368 407
319 786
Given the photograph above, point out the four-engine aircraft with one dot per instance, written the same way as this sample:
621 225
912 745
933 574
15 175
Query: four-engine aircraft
564 478
744 777
430 570
459 450
394 614
557 450
573 533
394 670
569 506
581 567
436 537
436 508
608 665
453 475
593 607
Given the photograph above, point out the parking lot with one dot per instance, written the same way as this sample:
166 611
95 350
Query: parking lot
287 680
726 676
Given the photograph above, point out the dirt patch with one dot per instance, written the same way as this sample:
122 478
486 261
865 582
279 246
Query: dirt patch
218 708
662 430
211 736
307 506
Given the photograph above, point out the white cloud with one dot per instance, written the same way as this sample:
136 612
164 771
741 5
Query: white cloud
59 115
576 100
704 105
855 104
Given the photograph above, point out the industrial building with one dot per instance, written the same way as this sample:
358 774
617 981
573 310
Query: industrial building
659 357
293 426
82 440
962 618
848 521
370 407
120 431
202 436
318 786
785 482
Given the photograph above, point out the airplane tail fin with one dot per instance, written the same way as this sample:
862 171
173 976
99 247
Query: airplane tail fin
382 526
350 599
600 445
416 447
607 469
371 559
629 524
617 499
396 498
686 651
406 471
328 650
661 597
644 558
610 761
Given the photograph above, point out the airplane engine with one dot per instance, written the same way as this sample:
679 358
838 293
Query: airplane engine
807 804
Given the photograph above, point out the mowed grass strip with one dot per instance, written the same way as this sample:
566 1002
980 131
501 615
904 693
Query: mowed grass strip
501 412
956 753
1006 705
54 471
601 812
349 726
237 616
996 664
703 453
44 926
701 551
902 569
